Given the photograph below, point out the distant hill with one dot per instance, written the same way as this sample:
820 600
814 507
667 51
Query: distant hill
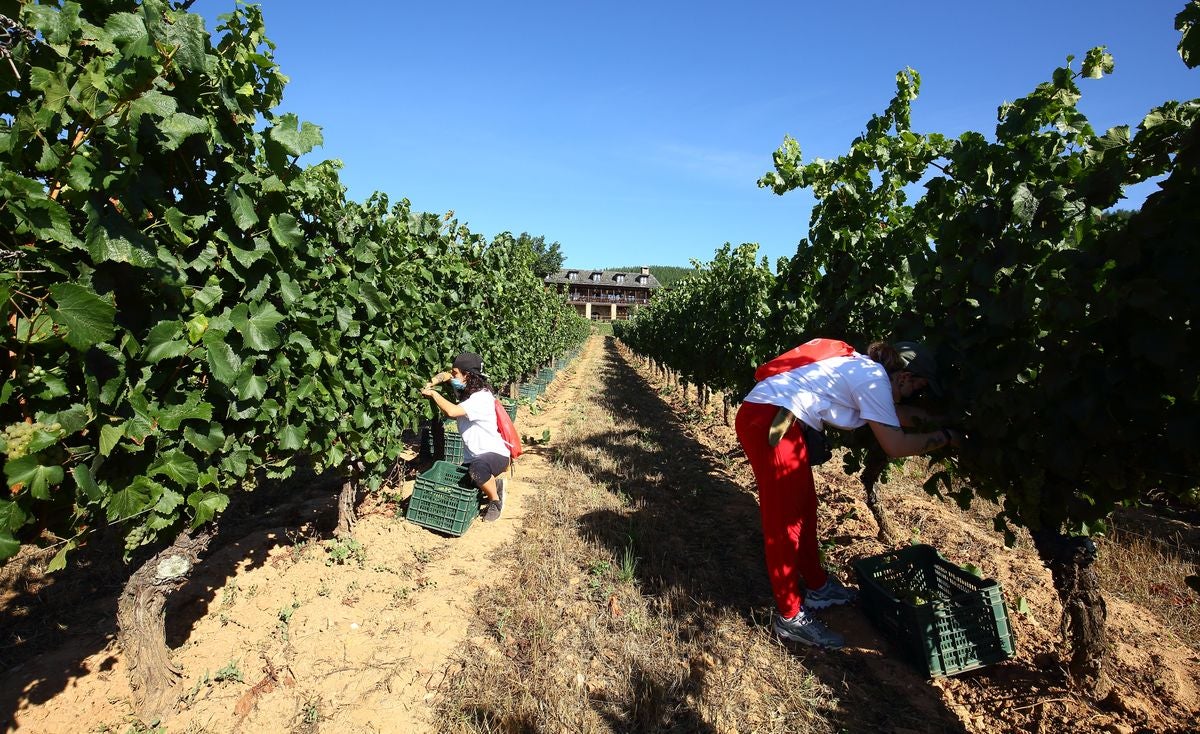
666 274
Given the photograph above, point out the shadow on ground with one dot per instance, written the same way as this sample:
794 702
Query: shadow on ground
697 535
54 623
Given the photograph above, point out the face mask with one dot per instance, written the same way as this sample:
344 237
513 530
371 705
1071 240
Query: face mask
457 384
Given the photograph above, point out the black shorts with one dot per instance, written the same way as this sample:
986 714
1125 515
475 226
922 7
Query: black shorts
486 466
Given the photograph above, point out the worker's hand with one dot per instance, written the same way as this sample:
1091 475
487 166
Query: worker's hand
439 378
428 391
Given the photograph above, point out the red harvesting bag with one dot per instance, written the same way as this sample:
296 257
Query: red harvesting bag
813 350
508 432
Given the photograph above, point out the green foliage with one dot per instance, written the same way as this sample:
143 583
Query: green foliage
666 275
548 258
629 563
1187 23
341 551
230 672
187 310
712 327
1066 336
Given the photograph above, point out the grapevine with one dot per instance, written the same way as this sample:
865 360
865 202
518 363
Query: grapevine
1066 338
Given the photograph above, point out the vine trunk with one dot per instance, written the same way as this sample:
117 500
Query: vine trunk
875 463
1071 561
141 621
346 517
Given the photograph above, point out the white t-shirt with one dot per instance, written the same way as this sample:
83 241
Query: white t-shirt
844 392
478 427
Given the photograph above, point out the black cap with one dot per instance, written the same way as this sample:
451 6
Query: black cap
917 360
469 362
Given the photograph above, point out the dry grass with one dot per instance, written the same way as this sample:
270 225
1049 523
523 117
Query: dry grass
611 630
635 598
1147 566
1149 573
1144 564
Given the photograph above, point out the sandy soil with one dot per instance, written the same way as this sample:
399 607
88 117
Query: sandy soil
277 635
1155 676
283 631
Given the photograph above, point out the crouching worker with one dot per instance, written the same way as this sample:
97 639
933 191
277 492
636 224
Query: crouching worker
484 452
823 382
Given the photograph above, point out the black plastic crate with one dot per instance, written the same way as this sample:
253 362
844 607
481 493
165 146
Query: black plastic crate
946 619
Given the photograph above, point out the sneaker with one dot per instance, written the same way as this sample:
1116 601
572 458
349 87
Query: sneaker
500 491
493 511
832 594
807 630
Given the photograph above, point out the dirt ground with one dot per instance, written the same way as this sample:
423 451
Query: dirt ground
1155 675
285 630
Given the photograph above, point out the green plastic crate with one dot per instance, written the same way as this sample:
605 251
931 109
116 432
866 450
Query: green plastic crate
529 391
452 448
546 376
453 444
510 407
444 499
946 619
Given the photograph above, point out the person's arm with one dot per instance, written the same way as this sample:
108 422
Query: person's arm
450 409
913 417
896 443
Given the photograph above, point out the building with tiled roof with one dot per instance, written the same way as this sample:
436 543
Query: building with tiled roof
604 295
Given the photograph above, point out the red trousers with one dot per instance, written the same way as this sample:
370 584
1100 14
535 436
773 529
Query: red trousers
787 500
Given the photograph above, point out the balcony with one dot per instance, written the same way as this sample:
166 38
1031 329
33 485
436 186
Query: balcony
580 298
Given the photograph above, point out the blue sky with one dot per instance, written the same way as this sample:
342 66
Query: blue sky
635 132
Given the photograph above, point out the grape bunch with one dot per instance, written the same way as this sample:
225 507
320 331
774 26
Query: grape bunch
17 437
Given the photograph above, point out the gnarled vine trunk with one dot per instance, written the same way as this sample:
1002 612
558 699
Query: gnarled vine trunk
1071 561
347 500
141 622
346 517
875 463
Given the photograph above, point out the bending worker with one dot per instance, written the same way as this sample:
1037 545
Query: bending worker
844 389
